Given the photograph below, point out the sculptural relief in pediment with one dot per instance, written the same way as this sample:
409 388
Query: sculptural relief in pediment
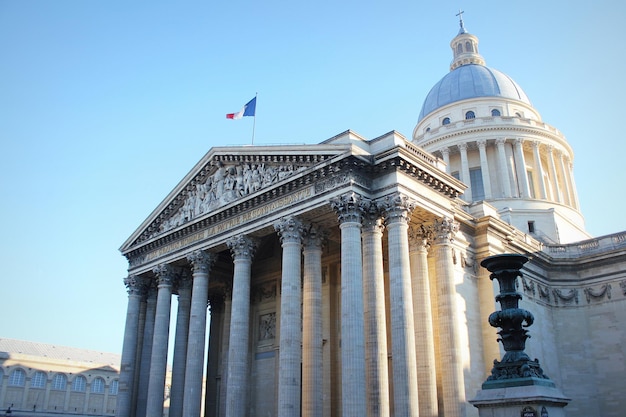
229 182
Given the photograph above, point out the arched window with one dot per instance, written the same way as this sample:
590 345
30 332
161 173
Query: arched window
495 112
97 386
459 49
445 121
59 382
79 384
469 47
114 387
17 378
470 115
427 130
518 114
38 380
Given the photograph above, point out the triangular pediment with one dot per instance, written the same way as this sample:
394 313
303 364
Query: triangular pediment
230 175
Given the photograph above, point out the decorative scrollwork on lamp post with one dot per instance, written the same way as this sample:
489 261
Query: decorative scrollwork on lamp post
516 367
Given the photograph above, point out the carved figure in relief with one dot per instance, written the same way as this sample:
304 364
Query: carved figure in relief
267 326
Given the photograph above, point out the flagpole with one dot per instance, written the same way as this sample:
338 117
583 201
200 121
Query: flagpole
254 122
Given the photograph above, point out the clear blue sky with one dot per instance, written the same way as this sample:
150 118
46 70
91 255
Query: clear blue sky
106 105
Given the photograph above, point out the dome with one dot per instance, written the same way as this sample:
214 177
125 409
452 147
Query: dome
471 81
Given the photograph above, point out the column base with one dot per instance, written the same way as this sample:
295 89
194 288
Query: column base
535 399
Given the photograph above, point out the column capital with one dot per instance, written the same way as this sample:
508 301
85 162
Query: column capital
535 144
242 247
519 141
201 261
481 143
314 236
462 147
134 285
500 141
290 230
348 207
397 207
444 230
445 150
419 236
372 216
165 275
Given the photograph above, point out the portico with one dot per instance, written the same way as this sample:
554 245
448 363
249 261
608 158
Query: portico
308 260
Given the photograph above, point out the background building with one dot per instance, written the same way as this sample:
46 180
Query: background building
343 278
56 380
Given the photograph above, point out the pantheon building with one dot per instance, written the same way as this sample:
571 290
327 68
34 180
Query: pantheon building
344 279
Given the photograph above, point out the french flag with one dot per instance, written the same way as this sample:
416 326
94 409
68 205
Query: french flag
247 110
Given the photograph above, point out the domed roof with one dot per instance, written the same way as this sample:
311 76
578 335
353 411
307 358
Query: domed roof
471 81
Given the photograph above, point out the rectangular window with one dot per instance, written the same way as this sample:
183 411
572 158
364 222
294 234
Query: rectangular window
531 226
476 184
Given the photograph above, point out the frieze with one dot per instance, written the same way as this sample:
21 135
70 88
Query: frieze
544 292
529 285
598 294
565 297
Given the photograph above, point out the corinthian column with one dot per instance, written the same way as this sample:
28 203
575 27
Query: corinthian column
352 338
290 231
505 182
376 367
423 320
146 349
465 175
484 167
242 249
128 366
539 169
312 378
201 263
177 391
397 209
453 385
158 363
522 177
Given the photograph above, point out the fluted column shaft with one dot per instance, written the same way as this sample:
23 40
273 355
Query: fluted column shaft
158 363
556 190
146 351
128 366
423 320
201 262
539 170
242 250
505 181
312 377
522 177
453 385
376 366
289 374
445 153
352 338
177 391
484 168
465 175
397 209
566 183
225 350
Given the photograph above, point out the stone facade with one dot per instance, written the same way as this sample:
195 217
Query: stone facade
343 278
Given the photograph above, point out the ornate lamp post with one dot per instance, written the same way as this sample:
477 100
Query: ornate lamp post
515 368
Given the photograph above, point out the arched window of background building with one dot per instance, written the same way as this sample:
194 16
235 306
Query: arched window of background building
459 49
38 380
113 387
445 121
97 386
469 47
17 378
79 384
495 112
518 115
470 115
59 382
